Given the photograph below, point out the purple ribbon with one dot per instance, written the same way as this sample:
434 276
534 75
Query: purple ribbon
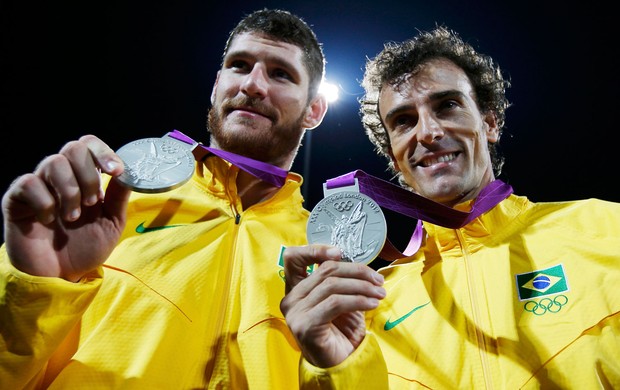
383 192
262 170
398 199
405 202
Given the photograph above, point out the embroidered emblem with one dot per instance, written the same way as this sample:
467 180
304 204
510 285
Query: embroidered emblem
546 305
391 324
143 229
542 283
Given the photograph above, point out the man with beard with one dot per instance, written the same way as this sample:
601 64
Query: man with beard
102 287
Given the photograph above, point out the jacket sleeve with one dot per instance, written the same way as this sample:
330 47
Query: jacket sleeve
36 316
365 368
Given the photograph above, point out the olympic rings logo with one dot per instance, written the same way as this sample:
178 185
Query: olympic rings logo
546 305
170 149
343 206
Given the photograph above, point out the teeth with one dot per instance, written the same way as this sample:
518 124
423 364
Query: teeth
437 160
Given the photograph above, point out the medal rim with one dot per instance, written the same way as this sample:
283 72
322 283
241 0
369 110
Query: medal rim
121 179
356 194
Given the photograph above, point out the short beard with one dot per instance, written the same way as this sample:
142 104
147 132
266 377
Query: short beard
273 149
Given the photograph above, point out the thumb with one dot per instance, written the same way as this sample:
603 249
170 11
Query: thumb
297 259
116 200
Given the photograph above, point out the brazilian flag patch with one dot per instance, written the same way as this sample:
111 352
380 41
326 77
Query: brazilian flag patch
541 283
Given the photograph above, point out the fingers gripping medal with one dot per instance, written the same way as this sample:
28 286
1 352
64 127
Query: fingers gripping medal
154 165
351 221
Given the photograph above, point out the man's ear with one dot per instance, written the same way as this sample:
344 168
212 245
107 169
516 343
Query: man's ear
315 112
492 130
217 78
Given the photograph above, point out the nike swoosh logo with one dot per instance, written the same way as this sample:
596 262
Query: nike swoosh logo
143 229
391 324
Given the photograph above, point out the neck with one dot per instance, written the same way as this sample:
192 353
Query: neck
473 193
252 190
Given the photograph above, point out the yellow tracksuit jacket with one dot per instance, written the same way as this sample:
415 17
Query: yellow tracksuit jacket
526 296
189 299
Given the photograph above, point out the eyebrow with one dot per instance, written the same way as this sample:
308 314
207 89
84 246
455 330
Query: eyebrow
445 94
441 95
270 59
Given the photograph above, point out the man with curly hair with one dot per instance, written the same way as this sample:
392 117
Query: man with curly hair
518 295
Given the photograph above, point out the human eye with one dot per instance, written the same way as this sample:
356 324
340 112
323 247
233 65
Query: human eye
280 73
448 107
239 65
402 122
448 104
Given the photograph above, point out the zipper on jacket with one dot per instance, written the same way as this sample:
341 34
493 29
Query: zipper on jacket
232 197
223 324
476 317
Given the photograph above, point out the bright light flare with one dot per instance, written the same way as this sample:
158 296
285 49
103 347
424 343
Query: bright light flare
329 90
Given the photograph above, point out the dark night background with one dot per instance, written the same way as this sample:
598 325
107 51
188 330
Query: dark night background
136 69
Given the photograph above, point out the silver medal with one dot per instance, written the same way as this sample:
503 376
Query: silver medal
155 165
351 221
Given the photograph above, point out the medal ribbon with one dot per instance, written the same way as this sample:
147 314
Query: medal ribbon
383 192
405 202
262 170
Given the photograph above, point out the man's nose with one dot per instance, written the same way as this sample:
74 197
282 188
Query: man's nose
255 83
428 129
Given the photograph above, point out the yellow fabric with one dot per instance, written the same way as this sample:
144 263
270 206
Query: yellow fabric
192 305
464 325
339 376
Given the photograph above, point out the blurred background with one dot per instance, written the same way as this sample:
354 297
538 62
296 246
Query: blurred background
136 69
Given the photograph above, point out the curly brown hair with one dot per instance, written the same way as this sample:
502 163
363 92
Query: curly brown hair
397 61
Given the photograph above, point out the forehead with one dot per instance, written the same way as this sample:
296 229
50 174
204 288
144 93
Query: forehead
264 48
431 77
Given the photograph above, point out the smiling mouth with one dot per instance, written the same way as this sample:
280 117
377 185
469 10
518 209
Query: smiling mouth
250 111
244 110
430 161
